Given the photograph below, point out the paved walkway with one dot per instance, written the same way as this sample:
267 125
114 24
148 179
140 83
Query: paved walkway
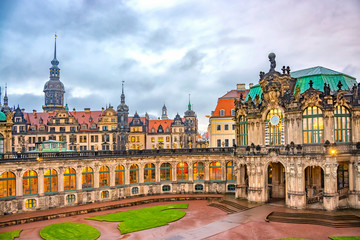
129 201
225 224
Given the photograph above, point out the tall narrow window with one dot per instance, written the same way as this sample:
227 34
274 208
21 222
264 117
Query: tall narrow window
165 172
199 171
134 174
230 176
69 179
342 119
50 181
1 144
215 171
7 185
119 175
243 131
274 128
87 178
313 127
104 173
343 176
30 181
149 173
182 173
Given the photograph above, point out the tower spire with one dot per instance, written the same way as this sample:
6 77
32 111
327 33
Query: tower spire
55 62
189 105
122 93
6 97
55 47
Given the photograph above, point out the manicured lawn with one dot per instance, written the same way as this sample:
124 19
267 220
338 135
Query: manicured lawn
10 235
69 231
345 238
144 218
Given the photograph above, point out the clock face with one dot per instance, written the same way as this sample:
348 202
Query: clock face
275 120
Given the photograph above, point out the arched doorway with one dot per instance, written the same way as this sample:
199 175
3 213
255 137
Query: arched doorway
276 180
314 184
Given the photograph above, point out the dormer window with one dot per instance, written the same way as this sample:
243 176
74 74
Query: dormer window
222 112
153 130
232 112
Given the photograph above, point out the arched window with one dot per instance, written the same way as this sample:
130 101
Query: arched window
104 176
243 131
1 144
342 119
313 127
182 172
199 171
7 185
230 176
134 174
149 173
87 178
30 181
50 181
119 175
165 172
222 112
69 179
215 171
274 128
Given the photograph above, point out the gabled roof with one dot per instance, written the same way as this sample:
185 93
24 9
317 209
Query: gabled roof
156 123
226 102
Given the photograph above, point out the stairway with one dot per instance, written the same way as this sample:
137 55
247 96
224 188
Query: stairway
336 221
228 206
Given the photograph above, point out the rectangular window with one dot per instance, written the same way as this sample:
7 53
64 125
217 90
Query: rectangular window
218 143
62 129
218 127
72 129
233 127
233 142
105 128
226 127
52 129
226 142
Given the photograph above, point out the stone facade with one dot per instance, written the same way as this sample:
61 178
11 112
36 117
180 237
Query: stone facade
303 139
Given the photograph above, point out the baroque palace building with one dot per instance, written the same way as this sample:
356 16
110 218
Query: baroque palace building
297 139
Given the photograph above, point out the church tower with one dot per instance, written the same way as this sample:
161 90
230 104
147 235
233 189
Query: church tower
54 89
164 113
123 122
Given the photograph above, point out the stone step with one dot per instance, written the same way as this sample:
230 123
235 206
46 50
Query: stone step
234 205
223 208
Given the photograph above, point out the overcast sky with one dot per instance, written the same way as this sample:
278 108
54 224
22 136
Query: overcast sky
165 50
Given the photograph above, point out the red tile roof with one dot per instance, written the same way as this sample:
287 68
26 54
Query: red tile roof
84 117
226 102
156 123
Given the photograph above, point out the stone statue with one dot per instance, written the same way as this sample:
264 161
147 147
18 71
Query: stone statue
272 57
326 89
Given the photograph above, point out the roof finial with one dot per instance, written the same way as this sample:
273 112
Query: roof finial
55 47
55 62
5 97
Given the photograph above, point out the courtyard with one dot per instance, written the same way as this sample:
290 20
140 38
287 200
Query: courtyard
201 221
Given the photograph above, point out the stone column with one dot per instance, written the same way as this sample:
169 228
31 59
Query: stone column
157 172
173 165
207 171
127 173
79 178
112 175
141 172
191 171
40 173
295 185
240 182
354 183
61 179
331 196
19 183
329 126
96 176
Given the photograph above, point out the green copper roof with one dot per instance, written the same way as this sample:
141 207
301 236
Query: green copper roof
254 91
319 76
2 117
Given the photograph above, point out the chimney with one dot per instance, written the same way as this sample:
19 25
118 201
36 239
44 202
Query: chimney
250 85
87 110
74 110
23 110
240 86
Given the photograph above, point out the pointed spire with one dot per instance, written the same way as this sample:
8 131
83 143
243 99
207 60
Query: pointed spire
0 96
189 105
5 97
55 62
122 93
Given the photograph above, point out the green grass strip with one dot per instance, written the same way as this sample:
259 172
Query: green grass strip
345 238
144 218
10 235
69 231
